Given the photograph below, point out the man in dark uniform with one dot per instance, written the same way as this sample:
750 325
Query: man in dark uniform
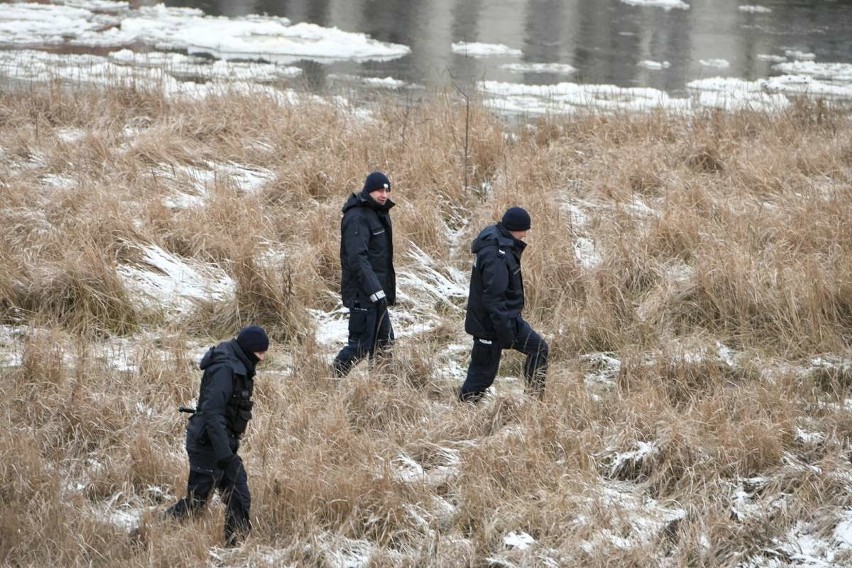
214 430
368 283
494 307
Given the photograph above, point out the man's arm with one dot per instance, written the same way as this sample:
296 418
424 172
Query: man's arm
495 282
356 243
219 389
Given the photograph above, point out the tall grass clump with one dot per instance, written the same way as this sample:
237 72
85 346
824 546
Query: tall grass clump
264 296
81 292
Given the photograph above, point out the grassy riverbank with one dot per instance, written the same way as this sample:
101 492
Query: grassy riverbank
693 275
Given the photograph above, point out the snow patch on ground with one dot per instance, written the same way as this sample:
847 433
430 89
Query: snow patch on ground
174 283
193 184
639 518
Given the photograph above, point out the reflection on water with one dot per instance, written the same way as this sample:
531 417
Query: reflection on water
605 40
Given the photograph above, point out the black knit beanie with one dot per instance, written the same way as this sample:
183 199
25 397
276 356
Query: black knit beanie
253 339
516 219
376 180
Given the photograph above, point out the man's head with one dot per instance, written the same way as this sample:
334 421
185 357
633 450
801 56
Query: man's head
253 341
517 221
378 186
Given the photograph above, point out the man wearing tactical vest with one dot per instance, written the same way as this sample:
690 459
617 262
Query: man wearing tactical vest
494 307
213 432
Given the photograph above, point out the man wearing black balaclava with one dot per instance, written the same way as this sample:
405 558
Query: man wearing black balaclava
215 428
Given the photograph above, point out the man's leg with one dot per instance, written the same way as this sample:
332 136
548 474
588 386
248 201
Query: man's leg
383 336
233 488
535 348
198 488
484 363
362 332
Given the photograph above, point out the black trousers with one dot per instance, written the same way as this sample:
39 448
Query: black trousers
370 330
233 490
485 362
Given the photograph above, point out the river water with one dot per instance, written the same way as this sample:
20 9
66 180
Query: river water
634 44
525 56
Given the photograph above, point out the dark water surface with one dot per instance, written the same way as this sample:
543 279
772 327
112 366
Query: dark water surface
605 40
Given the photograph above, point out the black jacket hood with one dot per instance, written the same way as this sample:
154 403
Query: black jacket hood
228 352
362 199
496 235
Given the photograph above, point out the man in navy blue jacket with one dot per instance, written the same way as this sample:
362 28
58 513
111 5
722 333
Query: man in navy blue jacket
213 432
494 307
368 282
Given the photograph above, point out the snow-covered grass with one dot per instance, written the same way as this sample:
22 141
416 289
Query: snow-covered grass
690 272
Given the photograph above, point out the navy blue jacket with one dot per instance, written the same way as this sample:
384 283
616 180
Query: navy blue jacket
366 251
224 403
496 296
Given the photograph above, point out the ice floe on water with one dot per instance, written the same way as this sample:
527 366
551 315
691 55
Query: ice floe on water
727 93
179 65
572 97
717 63
664 4
385 83
41 67
799 55
654 65
556 68
476 49
754 9
116 25
764 94
837 72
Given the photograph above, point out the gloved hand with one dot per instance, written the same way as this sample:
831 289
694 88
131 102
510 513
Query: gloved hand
506 334
380 301
230 466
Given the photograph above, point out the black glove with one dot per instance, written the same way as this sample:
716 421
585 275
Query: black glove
380 301
230 466
506 334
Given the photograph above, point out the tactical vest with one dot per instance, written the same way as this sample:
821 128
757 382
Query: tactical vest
238 408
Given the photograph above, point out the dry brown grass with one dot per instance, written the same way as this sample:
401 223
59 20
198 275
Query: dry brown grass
715 229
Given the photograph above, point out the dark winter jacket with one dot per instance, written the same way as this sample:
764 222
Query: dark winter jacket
224 403
496 286
366 251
